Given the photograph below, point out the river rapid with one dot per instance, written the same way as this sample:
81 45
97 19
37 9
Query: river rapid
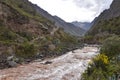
69 66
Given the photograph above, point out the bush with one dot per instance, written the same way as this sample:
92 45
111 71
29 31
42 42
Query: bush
97 70
26 35
111 46
107 63
7 35
26 50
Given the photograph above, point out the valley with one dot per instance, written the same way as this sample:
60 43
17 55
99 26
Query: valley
35 45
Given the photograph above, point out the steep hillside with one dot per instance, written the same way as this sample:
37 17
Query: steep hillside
84 25
26 35
107 24
106 31
68 27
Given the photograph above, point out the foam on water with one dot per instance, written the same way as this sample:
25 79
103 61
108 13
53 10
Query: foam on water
66 67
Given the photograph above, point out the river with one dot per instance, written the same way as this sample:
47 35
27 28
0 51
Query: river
69 66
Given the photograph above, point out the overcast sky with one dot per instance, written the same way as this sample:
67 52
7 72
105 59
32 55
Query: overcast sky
74 10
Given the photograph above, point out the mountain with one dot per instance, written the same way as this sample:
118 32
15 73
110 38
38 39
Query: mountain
113 11
107 23
106 32
25 34
68 27
84 25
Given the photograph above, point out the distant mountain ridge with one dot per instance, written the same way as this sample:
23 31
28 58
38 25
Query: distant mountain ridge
84 25
68 27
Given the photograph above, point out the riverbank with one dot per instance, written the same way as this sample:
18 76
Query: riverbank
66 67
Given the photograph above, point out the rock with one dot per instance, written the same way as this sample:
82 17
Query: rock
12 61
13 58
48 62
39 55
17 60
73 51
38 60
28 60
12 64
10 58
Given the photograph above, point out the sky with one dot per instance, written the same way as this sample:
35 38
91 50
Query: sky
74 10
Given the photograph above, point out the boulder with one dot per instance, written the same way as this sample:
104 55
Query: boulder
12 61
13 58
48 62
12 64
10 58
38 60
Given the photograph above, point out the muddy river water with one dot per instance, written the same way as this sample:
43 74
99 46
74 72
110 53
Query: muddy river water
66 67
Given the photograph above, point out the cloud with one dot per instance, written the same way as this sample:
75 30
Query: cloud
84 3
94 5
74 10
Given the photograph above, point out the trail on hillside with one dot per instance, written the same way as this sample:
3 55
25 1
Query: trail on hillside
66 67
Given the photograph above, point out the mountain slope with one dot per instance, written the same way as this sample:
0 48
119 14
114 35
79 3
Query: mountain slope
68 27
26 35
108 21
106 31
107 24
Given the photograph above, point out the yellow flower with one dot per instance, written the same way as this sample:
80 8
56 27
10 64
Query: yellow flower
102 57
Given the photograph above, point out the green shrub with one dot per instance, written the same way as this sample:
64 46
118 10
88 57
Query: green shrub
97 70
111 46
7 35
26 35
107 63
26 50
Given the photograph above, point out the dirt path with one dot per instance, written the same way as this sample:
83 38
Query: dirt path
66 67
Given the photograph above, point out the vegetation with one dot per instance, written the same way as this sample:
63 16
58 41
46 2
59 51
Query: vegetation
26 34
25 8
111 47
110 26
106 64
26 50
102 30
62 42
